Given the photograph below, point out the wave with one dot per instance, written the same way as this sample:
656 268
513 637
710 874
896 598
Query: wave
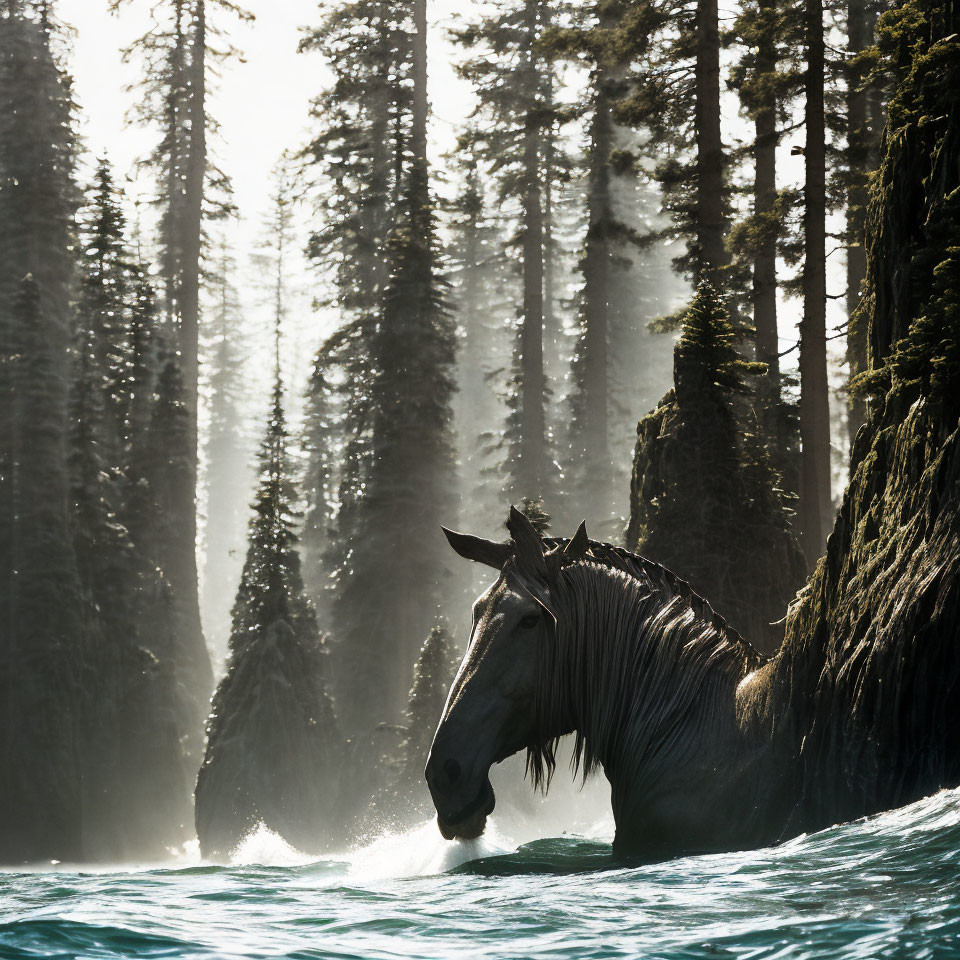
885 886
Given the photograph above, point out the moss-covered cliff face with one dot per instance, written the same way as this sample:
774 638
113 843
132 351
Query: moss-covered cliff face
867 688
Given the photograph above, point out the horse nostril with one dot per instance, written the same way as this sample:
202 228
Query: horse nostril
452 769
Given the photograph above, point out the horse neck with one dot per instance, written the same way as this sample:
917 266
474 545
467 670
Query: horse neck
644 679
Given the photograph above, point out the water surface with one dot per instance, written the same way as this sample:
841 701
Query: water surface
888 886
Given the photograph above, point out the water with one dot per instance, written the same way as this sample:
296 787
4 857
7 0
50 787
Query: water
884 887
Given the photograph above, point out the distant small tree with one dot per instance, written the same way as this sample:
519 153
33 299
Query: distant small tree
432 679
706 501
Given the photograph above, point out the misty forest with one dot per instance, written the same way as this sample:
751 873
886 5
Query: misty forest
689 274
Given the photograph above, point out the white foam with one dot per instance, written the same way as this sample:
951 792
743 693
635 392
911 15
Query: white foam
262 847
422 852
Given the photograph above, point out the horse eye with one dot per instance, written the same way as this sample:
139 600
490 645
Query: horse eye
530 621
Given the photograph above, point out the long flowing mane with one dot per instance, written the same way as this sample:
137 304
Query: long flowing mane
629 633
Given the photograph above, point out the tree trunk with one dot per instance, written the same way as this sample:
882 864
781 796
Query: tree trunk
815 508
184 573
711 224
551 331
860 26
532 467
597 287
173 215
418 143
765 263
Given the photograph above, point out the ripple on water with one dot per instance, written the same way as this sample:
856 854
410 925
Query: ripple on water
886 887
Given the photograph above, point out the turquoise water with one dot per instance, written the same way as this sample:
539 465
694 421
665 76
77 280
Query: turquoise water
884 887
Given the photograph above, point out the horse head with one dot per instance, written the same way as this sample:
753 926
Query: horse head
490 712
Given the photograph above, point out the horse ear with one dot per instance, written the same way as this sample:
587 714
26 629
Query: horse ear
578 545
477 549
528 543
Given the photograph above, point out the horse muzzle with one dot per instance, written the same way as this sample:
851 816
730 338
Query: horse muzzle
462 811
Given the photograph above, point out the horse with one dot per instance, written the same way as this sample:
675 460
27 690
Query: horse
580 637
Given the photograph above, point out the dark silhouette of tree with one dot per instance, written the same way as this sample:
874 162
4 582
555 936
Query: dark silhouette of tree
391 363
864 116
611 368
767 78
515 127
166 467
106 273
178 53
135 798
272 738
363 125
706 501
815 507
677 97
432 679
43 633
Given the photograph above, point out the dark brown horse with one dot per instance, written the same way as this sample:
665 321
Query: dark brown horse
581 637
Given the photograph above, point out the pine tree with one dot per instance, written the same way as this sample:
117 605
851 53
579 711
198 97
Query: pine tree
136 798
864 111
391 363
767 79
166 467
273 745
43 634
106 271
139 389
611 361
815 505
432 679
677 98
516 126
704 494
179 52
362 127
410 483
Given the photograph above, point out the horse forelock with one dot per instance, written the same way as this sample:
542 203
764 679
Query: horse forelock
630 648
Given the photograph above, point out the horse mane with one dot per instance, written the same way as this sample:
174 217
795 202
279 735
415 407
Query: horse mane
657 577
668 647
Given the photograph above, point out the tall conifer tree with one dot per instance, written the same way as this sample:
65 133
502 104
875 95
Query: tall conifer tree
516 123
392 363
43 635
178 55
273 742
815 506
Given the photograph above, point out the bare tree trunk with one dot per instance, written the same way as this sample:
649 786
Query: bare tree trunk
532 467
418 143
551 331
597 287
711 220
183 574
192 225
860 27
765 264
815 501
